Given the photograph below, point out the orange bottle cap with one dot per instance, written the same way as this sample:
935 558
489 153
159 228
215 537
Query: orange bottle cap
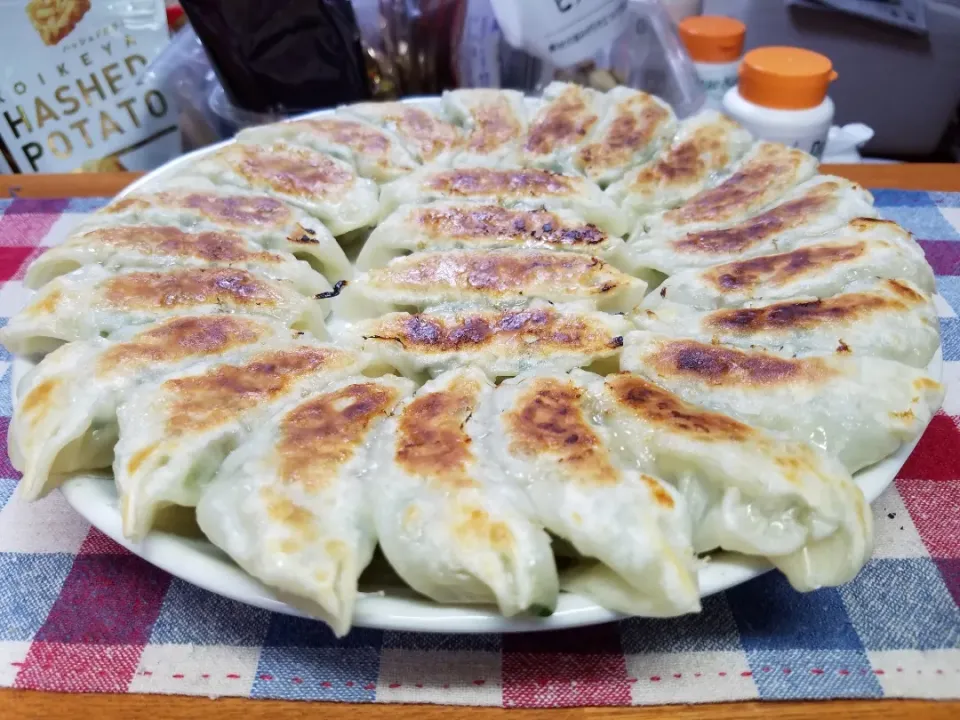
712 38
785 78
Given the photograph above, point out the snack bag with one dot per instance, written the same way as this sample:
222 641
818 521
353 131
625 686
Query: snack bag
70 97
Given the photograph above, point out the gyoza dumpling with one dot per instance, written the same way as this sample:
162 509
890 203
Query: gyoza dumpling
859 409
93 301
197 204
820 270
544 436
500 342
490 278
816 207
427 136
324 186
634 127
705 145
289 505
374 153
495 123
891 319
746 489
766 173
510 188
448 524
446 226
65 417
153 246
175 433
566 115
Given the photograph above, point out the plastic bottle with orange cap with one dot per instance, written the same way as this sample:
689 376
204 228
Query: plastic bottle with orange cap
715 44
782 96
777 93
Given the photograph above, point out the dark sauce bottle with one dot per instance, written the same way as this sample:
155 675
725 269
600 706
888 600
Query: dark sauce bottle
283 55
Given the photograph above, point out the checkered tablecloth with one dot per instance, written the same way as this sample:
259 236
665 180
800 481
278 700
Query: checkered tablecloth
80 614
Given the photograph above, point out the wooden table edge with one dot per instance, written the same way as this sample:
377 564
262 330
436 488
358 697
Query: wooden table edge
920 176
16 704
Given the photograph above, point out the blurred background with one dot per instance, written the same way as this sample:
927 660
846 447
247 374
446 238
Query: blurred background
113 86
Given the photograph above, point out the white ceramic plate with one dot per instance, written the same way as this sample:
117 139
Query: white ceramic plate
394 607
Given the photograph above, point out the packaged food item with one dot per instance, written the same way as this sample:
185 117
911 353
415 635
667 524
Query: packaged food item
72 100
715 43
782 96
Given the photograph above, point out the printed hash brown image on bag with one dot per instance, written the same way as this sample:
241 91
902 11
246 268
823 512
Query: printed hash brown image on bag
70 96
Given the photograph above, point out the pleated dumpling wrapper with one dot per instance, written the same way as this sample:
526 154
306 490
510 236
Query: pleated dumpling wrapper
543 433
197 204
634 127
823 269
859 409
704 147
450 526
479 226
764 175
501 342
374 153
747 490
159 247
890 319
175 433
93 301
289 505
324 186
523 187
564 119
489 278
823 204
65 418
495 123
428 137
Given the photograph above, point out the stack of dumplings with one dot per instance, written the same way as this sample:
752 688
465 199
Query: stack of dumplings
525 346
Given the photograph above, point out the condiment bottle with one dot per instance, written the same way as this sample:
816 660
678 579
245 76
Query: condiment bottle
782 96
715 44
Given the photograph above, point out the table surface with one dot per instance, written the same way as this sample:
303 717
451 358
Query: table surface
32 704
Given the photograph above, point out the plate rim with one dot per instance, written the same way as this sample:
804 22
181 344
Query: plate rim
200 563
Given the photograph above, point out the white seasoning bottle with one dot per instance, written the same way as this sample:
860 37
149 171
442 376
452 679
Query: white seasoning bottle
781 95
715 44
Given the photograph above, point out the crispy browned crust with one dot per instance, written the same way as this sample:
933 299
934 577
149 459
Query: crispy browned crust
690 161
426 132
288 170
745 235
483 182
359 137
232 211
543 329
787 317
226 392
212 246
774 166
565 121
727 367
432 441
548 419
635 125
189 287
181 338
778 270
662 409
492 222
495 123
322 434
494 273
